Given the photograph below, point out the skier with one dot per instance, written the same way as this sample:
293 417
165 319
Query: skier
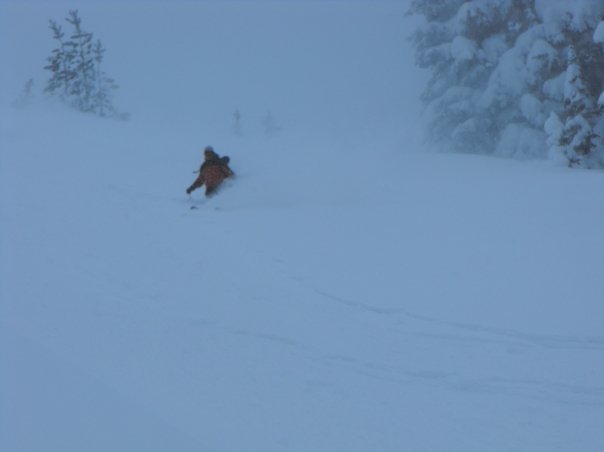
213 171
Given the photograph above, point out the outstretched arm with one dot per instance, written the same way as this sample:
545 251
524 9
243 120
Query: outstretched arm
195 185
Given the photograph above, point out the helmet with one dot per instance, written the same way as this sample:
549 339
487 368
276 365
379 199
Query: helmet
209 153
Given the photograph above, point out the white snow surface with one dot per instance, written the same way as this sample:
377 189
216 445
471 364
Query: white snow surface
578 13
599 33
347 291
463 49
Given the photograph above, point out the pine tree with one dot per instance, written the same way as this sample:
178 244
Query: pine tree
77 74
101 99
237 127
576 96
578 139
60 64
268 123
498 71
461 44
83 84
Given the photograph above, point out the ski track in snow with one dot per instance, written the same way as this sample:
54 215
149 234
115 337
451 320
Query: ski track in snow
485 337
491 334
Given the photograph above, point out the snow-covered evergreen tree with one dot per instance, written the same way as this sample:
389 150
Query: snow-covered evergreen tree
461 44
77 75
576 140
572 29
499 71
598 39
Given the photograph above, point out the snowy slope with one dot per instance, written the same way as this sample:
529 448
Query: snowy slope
346 292
434 307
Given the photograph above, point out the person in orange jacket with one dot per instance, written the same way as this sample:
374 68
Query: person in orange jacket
213 171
